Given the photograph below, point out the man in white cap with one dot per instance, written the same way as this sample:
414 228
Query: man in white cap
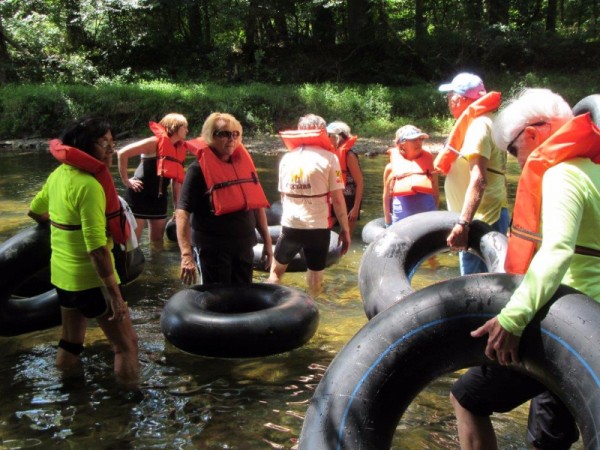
475 184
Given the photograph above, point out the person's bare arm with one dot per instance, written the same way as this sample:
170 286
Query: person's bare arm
39 218
102 262
263 228
458 238
146 146
356 172
387 207
339 207
188 274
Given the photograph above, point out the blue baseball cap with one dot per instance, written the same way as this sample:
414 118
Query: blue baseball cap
465 84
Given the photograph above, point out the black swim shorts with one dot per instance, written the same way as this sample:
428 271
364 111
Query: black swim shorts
491 388
92 303
314 243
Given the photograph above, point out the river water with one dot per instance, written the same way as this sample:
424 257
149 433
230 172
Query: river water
188 401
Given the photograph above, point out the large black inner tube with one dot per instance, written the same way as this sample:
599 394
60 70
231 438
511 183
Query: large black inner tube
28 302
372 229
388 262
374 378
590 104
25 255
231 321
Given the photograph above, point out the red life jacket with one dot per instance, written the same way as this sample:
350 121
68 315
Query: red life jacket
293 139
445 158
170 157
579 137
233 185
115 215
410 176
342 154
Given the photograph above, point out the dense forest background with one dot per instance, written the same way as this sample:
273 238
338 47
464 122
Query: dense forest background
393 42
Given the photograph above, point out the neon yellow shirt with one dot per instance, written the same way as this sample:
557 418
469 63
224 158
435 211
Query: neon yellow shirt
73 197
478 141
570 216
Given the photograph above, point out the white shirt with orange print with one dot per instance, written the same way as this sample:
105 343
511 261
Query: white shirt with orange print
308 175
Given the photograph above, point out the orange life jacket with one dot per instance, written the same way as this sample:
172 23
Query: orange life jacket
577 138
410 176
115 215
233 185
446 157
170 157
293 139
342 154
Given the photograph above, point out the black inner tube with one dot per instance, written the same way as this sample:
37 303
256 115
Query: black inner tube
376 376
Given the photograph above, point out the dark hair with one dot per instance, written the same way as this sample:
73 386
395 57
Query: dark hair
83 133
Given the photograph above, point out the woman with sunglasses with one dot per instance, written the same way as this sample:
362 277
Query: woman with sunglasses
161 160
220 206
78 199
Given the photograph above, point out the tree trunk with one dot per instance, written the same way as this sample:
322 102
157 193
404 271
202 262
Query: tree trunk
251 30
474 10
323 26
6 67
195 37
76 35
420 22
551 16
360 22
498 11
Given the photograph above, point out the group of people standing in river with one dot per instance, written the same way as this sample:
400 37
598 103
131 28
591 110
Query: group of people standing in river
219 203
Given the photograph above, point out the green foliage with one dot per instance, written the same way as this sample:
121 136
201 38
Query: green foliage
41 110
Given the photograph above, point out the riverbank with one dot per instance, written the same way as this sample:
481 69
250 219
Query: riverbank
264 144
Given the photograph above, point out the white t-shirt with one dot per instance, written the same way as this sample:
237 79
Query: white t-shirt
308 174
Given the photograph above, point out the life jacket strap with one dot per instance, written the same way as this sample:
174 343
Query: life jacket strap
305 196
537 238
65 227
253 179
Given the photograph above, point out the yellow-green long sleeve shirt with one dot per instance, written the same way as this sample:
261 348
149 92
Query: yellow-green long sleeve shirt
570 216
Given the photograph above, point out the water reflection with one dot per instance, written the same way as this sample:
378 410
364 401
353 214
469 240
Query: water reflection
188 401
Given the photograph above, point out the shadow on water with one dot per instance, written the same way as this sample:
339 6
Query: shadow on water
189 401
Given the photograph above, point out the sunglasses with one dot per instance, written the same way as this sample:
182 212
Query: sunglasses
107 146
511 147
227 134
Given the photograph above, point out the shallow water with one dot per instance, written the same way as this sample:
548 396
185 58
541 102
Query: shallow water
190 401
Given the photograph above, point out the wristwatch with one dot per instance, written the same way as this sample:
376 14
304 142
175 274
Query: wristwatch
463 222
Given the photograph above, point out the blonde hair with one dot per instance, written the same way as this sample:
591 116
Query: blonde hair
210 125
173 122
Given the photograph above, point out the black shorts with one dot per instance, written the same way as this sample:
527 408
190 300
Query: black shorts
222 265
314 243
92 303
151 202
490 388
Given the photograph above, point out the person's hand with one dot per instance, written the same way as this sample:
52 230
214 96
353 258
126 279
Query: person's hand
136 184
119 308
344 241
353 215
189 273
267 256
501 345
458 239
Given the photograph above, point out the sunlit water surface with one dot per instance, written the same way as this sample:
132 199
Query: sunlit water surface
190 401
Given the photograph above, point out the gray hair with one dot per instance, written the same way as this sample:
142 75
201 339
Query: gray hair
340 128
529 106
311 122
